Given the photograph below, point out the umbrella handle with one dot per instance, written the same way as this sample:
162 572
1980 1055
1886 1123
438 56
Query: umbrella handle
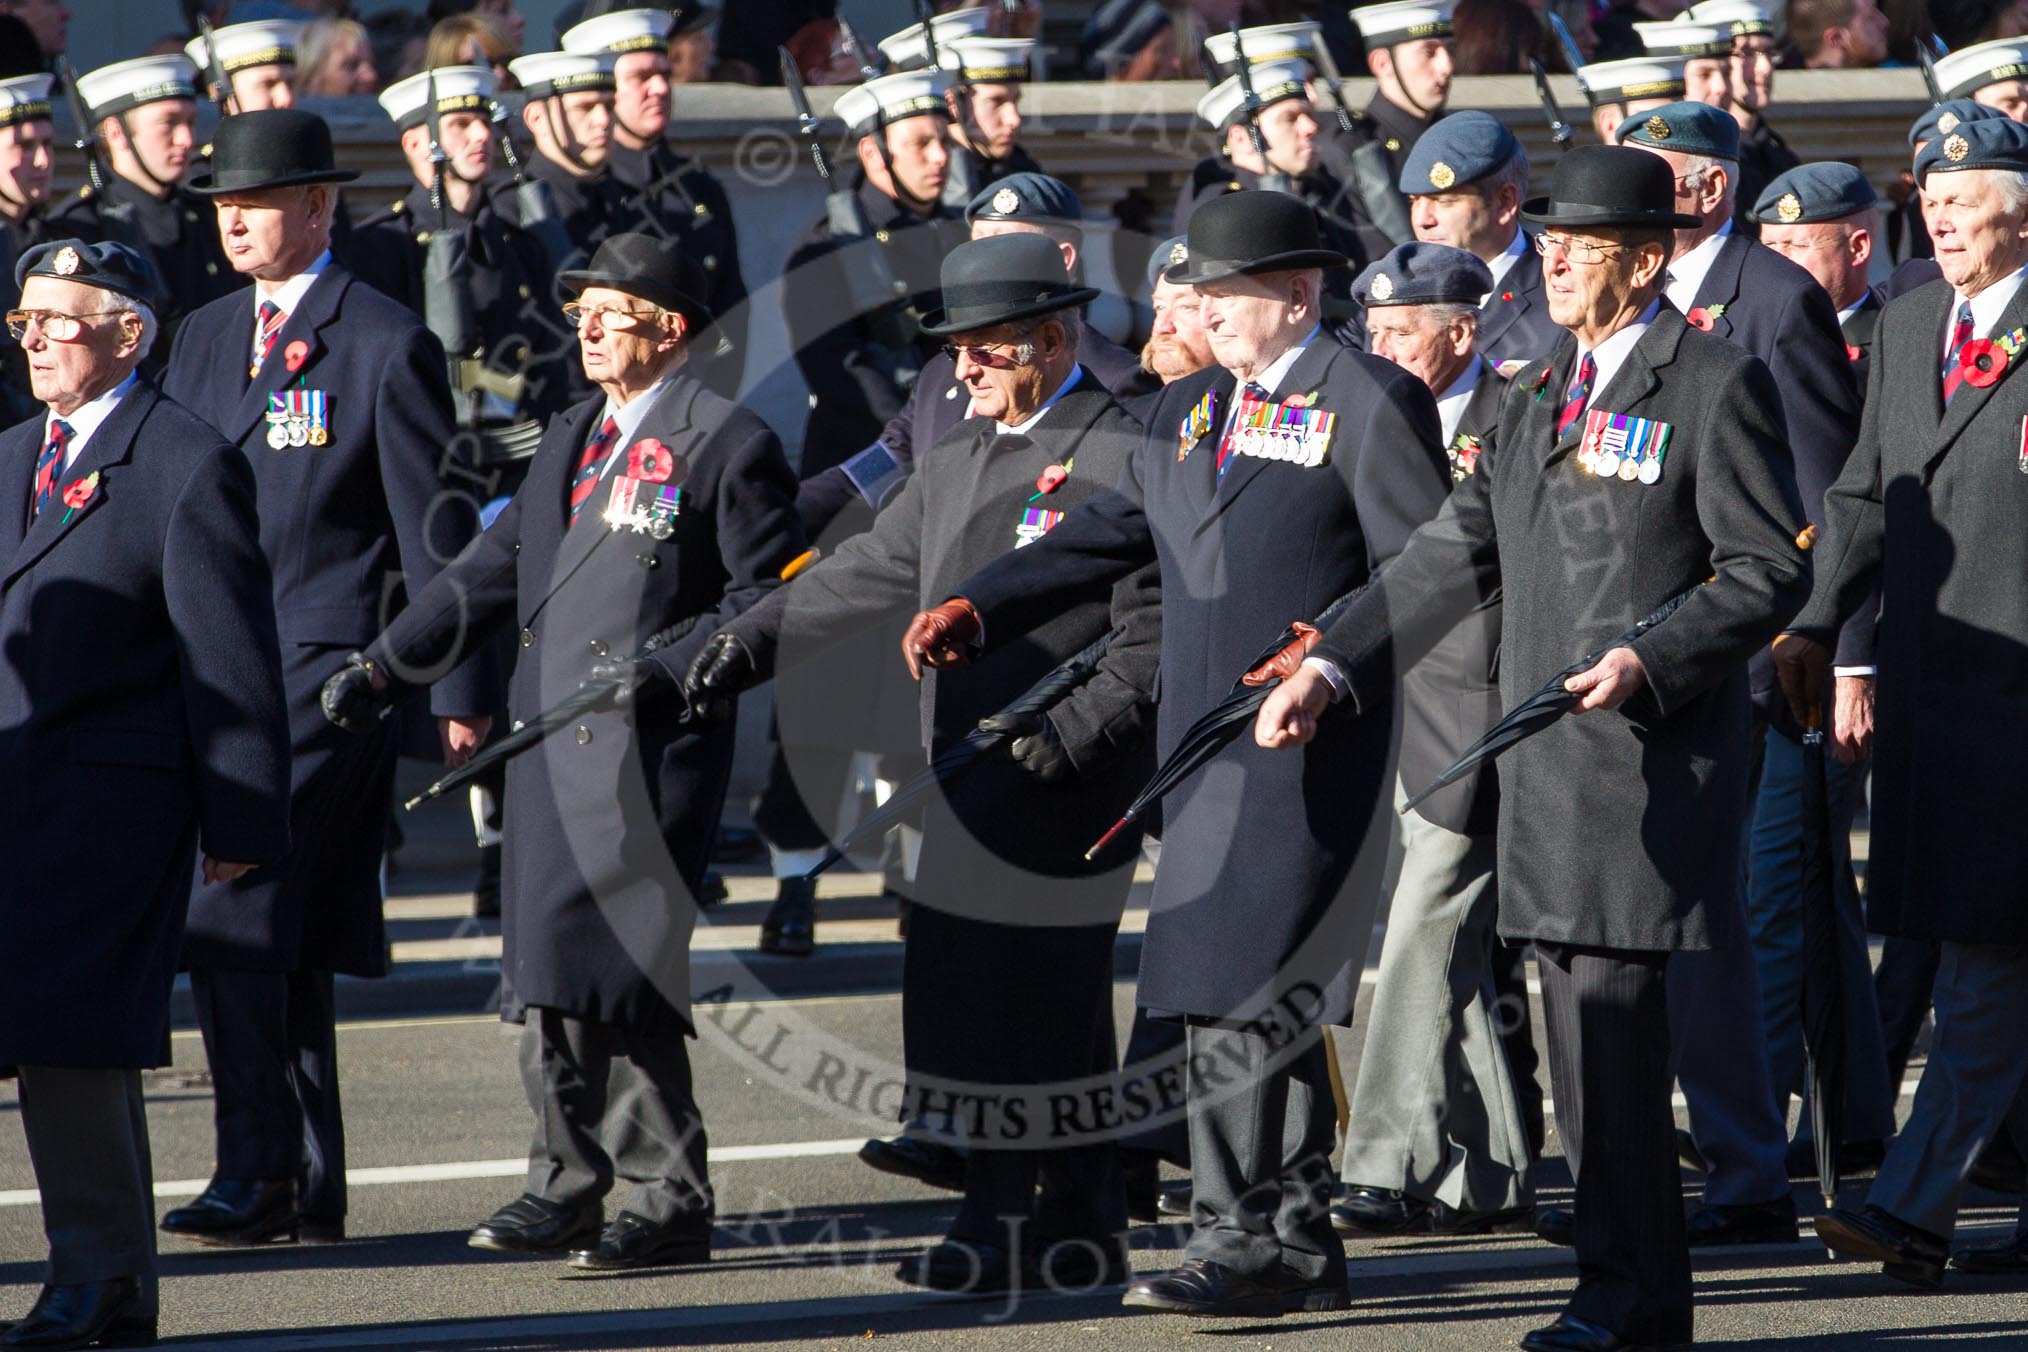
1122 824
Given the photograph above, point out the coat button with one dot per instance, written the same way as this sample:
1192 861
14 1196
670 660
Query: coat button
598 647
583 735
649 560
528 638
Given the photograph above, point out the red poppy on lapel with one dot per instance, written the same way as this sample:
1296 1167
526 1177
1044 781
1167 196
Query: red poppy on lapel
650 460
79 493
1051 479
1852 353
1984 362
1506 295
295 354
1704 316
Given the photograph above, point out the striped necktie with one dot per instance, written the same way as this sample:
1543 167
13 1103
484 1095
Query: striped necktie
589 464
272 317
1953 373
50 463
1577 396
1258 394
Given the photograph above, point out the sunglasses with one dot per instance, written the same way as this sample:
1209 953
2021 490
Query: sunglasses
983 356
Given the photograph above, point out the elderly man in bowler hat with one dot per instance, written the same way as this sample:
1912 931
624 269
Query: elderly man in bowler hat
1621 824
1927 513
653 504
1294 458
1007 975
338 397
135 577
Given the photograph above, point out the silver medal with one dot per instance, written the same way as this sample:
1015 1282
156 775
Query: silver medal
299 432
278 436
1607 464
1651 471
662 528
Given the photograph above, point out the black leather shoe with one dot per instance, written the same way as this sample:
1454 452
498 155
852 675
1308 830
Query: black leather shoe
1557 1224
1302 1296
1174 1199
1206 1290
1904 1252
966 1266
790 929
531 1224
86 1314
1758 1223
931 1162
1074 1263
1571 1334
2009 1258
1377 1211
1856 1159
631 1241
1688 1155
1144 1185
238 1211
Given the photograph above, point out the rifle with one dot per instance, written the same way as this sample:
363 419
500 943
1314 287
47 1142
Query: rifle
929 32
1559 130
118 218
863 56
1928 64
221 83
1327 66
1271 179
534 204
1572 57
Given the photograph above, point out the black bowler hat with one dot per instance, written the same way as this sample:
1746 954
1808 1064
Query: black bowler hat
657 270
1610 185
1243 233
1000 279
270 148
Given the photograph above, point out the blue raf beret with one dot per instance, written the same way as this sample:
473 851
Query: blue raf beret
1423 274
1947 117
1027 197
1687 128
1173 252
1462 148
110 267
1994 143
1810 193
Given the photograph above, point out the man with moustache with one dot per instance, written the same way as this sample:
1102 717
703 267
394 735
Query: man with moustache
1177 345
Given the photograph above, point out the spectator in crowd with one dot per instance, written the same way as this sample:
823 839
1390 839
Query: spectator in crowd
472 39
399 38
822 55
1615 28
1838 34
49 20
336 59
1963 23
1495 37
693 48
1134 41
500 12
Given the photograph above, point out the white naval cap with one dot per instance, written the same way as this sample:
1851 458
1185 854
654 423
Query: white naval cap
242 46
1273 81
1265 42
1635 77
25 98
543 74
1739 18
892 98
114 89
1402 21
460 89
908 49
1969 69
622 31
992 60
1684 37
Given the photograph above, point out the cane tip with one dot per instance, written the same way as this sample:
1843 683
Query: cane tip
1806 537
415 802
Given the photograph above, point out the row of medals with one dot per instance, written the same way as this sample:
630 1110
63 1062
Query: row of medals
1626 468
295 432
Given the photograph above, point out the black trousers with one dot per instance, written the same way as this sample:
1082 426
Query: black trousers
272 1041
88 1141
1608 1017
1155 1056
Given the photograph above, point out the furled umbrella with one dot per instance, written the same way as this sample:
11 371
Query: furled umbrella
1823 995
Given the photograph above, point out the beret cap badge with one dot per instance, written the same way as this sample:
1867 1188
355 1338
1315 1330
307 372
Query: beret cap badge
1383 287
1657 128
1790 208
1442 176
1006 201
66 261
1179 253
1956 148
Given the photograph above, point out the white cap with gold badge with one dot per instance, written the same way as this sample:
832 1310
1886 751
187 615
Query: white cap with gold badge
1273 81
1635 77
622 31
1267 42
1970 69
892 98
460 89
908 50
25 98
545 74
992 60
1402 21
1739 18
242 46
1684 37
114 89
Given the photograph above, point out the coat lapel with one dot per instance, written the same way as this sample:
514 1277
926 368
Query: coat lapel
1308 374
1720 287
1199 465
317 309
1970 398
18 452
1523 279
108 446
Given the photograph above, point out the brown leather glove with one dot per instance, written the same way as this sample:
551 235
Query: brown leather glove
941 636
1803 666
1289 660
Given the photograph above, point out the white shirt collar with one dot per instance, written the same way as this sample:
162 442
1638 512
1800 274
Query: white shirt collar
1022 427
85 419
1451 403
1686 274
290 294
1612 354
1853 308
1278 370
630 418
1987 306
1503 262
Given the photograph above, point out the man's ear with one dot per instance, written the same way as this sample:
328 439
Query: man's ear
111 132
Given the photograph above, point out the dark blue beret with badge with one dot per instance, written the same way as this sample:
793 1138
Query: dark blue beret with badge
1684 127
1423 274
1812 193
1172 252
1994 143
1462 148
1036 198
109 266
1947 117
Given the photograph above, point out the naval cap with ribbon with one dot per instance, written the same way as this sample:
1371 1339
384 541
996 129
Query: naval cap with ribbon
868 107
1967 70
270 148
459 89
110 267
1423 274
1739 18
909 49
25 98
1609 186
1944 118
620 31
1634 77
1403 21
991 60
1461 148
1686 128
1264 42
111 90
242 46
1248 233
1027 196
1685 38
1273 82
1996 143
1001 279
547 74
1810 194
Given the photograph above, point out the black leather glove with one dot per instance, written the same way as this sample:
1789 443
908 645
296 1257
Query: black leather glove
1037 748
356 696
723 667
632 678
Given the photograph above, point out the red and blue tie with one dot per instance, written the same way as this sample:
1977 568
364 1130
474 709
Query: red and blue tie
1254 391
589 464
50 463
1577 396
272 317
1953 373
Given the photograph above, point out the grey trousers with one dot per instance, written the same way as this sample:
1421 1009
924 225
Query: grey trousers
1977 1062
609 1102
88 1141
1260 1154
1434 1113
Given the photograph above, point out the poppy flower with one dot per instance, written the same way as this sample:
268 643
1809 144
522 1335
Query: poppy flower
295 354
651 461
1983 362
79 493
1852 353
1506 295
1701 317
1051 479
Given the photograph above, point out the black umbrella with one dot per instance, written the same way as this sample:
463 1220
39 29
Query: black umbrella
958 757
1542 708
1823 998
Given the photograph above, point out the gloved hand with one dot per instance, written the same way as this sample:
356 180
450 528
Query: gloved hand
1038 748
356 695
941 636
632 677
1289 660
723 667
